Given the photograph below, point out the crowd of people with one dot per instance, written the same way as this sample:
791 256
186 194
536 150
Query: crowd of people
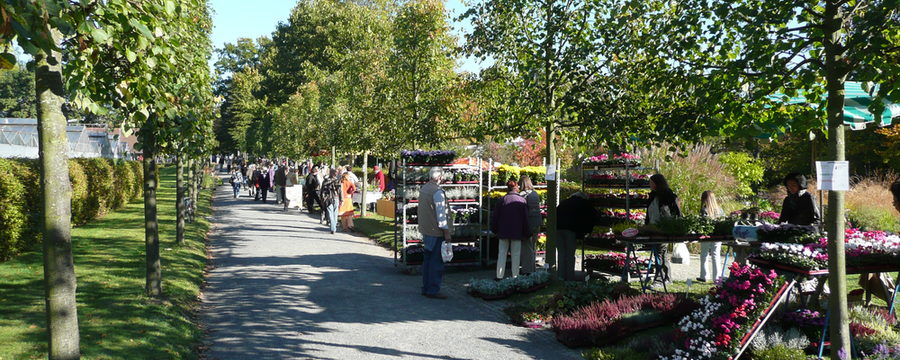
326 191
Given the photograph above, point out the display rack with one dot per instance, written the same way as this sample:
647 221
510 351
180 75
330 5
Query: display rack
627 204
467 227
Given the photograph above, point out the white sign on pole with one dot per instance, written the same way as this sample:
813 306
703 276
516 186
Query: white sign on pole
551 173
833 175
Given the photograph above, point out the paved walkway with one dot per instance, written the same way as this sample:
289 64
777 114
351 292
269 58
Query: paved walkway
282 287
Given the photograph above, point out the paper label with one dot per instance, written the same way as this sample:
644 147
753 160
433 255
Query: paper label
833 175
551 173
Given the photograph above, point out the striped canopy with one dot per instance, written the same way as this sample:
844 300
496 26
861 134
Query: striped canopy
856 106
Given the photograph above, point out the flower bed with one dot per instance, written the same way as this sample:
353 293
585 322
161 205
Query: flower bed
863 248
788 233
715 330
494 290
607 322
613 262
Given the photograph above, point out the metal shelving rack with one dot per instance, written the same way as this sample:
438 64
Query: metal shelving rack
403 203
629 204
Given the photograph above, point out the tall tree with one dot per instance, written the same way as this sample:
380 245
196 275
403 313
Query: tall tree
39 28
744 52
17 93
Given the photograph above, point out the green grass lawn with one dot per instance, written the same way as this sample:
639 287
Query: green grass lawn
378 228
117 320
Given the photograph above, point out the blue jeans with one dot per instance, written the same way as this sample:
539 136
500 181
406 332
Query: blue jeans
237 189
332 216
432 266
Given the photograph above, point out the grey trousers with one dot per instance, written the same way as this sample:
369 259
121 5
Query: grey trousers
565 254
528 248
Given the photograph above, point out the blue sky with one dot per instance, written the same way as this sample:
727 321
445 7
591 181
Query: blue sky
233 19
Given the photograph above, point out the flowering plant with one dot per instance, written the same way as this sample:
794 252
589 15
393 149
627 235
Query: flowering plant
769 215
436 157
862 248
788 233
714 331
618 159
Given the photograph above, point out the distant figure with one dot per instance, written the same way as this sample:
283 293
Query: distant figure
263 183
348 187
379 178
312 189
709 208
509 222
236 181
799 207
281 184
576 217
535 219
331 198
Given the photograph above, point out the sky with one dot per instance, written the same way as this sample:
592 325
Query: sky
233 19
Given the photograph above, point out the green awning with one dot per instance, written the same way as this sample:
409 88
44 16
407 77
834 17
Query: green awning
856 106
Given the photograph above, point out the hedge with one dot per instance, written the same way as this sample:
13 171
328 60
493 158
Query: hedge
98 187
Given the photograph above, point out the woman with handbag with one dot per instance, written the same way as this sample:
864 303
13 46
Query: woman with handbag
663 203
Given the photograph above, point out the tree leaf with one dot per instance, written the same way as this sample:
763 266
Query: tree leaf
99 35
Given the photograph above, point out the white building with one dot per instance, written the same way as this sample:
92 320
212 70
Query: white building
19 138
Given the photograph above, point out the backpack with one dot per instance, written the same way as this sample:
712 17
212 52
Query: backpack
330 191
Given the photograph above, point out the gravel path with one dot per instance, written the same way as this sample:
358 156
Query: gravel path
282 287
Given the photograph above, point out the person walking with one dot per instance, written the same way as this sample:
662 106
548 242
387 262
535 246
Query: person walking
312 189
236 181
353 177
534 223
348 187
663 203
263 183
257 174
281 185
436 228
250 178
799 207
331 198
509 222
709 208
576 217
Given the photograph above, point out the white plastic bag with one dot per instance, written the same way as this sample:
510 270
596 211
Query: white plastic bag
447 252
681 255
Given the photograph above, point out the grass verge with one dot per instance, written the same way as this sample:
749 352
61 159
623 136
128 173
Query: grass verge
378 228
117 320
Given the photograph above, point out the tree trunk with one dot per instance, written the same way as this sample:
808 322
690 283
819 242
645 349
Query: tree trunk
59 267
179 198
365 182
198 180
151 225
835 74
552 198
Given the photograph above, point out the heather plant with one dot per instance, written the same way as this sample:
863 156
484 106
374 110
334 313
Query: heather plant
691 175
773 336
780 352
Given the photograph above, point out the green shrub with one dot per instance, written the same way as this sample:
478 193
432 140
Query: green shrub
16 227
745 169
137 168
100 187
79 193
779 352
123 184
615 353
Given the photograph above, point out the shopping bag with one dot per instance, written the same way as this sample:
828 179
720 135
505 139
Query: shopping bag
681 255
447 252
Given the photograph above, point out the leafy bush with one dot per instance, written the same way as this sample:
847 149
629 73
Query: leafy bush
614 353
124 184
137 168
16 227
745 169
79 182
101 190
779 352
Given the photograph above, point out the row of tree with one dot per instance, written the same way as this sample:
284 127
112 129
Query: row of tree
377 76
143 63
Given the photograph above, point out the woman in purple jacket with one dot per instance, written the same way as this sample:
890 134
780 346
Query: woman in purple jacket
509 222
